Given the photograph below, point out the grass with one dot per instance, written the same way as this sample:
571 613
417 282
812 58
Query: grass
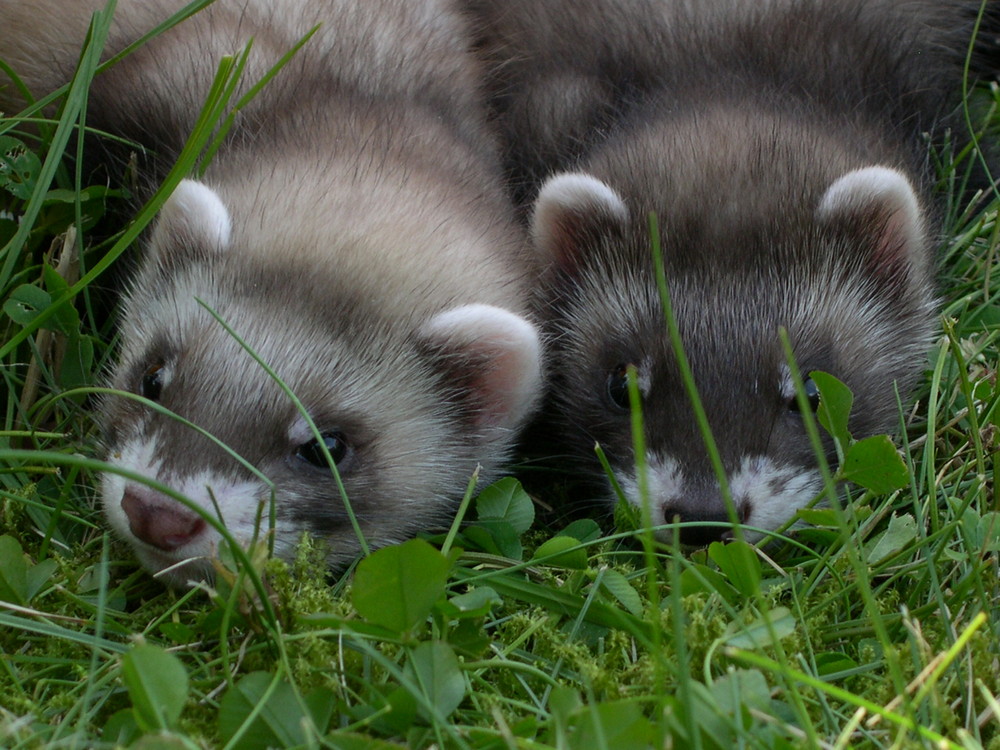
876 627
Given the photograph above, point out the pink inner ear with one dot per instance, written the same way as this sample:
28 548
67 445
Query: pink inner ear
196 212
563 239
882 201
500 356
500 382
894 245
571 209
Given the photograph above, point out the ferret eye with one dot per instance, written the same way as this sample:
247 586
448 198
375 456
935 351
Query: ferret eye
812 393
152 383
618 386
312 453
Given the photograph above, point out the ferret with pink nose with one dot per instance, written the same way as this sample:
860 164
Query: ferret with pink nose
781 146
352 231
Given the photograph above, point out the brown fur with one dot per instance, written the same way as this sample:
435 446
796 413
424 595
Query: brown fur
352 230
781 146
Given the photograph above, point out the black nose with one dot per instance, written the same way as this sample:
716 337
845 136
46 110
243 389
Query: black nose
160 522
716 528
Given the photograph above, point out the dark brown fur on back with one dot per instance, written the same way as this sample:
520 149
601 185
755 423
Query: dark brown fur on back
566 79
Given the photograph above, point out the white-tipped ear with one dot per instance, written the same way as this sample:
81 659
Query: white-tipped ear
495 358
572 209
882 201
195 213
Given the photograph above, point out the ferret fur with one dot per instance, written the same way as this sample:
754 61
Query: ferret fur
781 145
352 230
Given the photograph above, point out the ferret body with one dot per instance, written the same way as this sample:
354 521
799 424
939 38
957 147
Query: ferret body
352 231
781 146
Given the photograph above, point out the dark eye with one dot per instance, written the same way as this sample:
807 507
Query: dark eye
618 386
812 393
152 383
313 453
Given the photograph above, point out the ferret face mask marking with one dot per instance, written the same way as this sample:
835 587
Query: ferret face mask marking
828 282
405 416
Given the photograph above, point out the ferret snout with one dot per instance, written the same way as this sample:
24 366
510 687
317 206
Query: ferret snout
159 521
765 494
700 508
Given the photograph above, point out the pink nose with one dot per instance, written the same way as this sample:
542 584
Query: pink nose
164 526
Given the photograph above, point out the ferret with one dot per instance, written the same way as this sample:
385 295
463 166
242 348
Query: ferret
353 232
781 146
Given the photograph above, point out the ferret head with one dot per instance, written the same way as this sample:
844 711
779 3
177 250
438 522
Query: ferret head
406 409
847 277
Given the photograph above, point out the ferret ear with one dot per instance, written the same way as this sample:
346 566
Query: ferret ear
493 359
195 217
878 206
572 211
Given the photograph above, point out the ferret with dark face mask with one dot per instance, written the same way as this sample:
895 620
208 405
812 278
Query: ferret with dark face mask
781 146
353 232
